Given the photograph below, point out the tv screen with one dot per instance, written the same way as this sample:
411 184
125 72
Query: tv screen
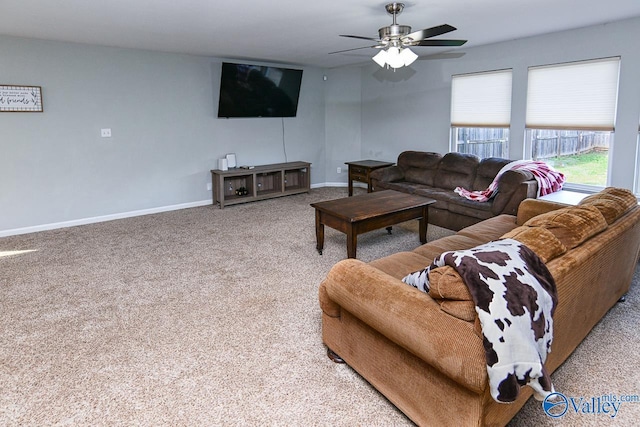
258 91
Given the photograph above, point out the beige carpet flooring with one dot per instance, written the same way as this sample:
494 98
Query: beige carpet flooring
210 317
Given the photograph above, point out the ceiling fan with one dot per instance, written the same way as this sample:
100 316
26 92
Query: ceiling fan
395 40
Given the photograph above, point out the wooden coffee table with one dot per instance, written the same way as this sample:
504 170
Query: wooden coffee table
367 212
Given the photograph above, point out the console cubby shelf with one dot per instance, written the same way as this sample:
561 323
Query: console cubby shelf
261 182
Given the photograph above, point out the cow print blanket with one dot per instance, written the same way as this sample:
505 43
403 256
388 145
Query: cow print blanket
515 298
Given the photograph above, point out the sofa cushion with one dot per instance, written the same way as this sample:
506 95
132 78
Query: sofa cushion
487 171
454 242
540 240
451 198
440 195
403 186
530 208
490 229
572 225
456 170
480 210
609 209
627 197
418 166
400 264
611 202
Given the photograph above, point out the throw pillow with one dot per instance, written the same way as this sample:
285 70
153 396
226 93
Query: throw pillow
463 310
446 283
447 289
572 225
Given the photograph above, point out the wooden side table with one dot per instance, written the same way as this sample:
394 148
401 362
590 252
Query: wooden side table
361 170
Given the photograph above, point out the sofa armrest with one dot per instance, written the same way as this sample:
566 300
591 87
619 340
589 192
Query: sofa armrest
513 187
409 318
387 174
534 207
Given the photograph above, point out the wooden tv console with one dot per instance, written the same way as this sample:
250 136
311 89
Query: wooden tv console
260 182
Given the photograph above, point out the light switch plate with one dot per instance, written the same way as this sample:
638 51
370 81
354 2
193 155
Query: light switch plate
105 133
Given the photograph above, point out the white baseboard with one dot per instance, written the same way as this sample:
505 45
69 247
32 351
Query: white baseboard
111 217
329 184
102 218
339 184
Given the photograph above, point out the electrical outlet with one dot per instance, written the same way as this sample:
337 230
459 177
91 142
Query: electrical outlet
105 133
339 170
209 187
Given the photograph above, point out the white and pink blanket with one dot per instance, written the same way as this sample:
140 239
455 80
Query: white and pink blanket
549 180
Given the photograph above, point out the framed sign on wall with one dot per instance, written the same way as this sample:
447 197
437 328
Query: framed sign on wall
20 99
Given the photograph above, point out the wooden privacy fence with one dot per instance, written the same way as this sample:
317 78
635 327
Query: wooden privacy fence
564 145
545 144
483 149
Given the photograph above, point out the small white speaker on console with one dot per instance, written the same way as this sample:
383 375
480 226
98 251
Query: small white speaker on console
223 164
231 160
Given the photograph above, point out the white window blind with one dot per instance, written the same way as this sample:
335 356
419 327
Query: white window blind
578 95
481 99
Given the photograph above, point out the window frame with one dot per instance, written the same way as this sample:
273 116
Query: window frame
546 108
481 100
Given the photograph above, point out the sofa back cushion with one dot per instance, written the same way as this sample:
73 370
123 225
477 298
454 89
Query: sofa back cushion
572 225
487 171
419 166
456 170
540 240
612 202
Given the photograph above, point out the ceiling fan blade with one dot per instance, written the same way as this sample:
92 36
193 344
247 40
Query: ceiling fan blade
429 32
439 43
444 55
360 37
349 50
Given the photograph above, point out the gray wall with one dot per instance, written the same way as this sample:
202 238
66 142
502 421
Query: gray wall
343 114
161 107
55 167
410 109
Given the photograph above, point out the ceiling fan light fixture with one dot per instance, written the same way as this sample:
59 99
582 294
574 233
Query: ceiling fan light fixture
408 56
395 57
381 58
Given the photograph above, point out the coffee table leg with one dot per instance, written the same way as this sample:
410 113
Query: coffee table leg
422 227
319 233
352 241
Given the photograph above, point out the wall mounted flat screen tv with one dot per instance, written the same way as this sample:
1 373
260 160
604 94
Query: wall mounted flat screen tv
258 91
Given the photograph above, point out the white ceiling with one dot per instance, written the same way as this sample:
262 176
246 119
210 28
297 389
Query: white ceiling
292 31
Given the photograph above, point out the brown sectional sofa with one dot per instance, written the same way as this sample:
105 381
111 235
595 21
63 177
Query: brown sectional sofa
436 176
424 351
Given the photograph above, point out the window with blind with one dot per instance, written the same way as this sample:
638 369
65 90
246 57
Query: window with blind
570 119
481 113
